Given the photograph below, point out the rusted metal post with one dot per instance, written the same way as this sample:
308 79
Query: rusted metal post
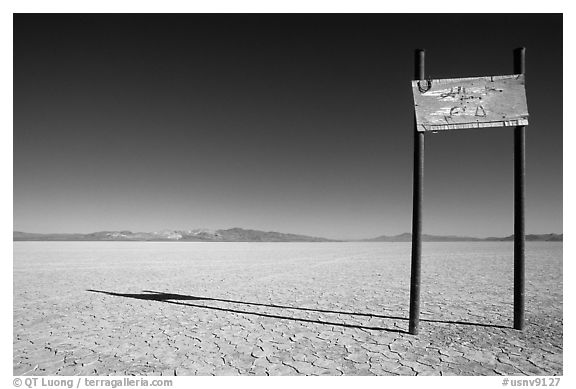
519 220
417 191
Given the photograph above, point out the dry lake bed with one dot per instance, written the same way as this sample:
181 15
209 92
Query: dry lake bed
139 308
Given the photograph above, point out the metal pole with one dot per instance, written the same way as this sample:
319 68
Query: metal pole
417 191
519 220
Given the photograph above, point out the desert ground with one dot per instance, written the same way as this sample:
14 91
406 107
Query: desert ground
139 308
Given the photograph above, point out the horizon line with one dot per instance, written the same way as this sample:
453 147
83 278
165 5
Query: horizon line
291 233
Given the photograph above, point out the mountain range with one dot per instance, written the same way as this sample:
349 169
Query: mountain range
198 235
246 235
407 237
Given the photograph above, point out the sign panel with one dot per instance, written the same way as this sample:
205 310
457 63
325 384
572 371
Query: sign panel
475 102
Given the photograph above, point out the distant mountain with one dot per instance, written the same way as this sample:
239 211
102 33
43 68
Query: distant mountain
407 237
532 238
243 235
199 235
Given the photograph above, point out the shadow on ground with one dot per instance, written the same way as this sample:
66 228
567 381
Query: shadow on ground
170 297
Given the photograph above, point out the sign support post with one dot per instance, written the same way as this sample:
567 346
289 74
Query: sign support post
419 74
519 220
462 103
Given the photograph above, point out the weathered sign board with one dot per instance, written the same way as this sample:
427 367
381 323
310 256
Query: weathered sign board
458 103
475 102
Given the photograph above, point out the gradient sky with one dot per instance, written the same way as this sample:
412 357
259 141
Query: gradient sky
292 123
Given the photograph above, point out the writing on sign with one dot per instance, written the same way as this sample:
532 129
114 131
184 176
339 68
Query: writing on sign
476 102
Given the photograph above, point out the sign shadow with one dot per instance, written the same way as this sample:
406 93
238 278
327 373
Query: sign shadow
176 299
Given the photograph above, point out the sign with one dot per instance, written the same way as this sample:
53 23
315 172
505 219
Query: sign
475 102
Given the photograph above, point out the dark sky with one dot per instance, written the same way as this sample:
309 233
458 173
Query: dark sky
293 123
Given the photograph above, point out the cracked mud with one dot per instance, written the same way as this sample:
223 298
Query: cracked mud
105 308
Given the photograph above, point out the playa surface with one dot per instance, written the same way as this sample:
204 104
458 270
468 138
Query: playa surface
137 308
